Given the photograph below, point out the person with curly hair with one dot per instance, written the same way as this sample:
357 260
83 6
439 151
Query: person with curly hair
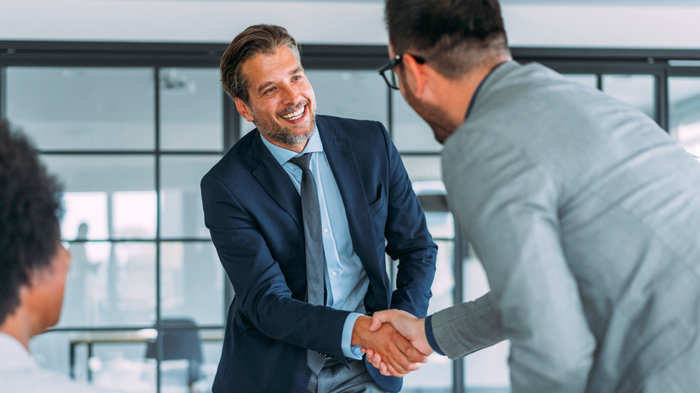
33 265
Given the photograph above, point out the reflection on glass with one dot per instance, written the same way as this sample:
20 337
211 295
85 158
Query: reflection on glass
358 95
486 370
181 202
192 282
635 90
684 112
411 133
75 108
110 284
113 195
116 364
584 79
191 109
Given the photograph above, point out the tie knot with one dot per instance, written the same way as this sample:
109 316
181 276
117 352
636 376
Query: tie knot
302 161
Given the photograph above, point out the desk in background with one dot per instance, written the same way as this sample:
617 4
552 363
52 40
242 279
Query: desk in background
138 336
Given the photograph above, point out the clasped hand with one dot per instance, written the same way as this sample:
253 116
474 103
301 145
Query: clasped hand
393 340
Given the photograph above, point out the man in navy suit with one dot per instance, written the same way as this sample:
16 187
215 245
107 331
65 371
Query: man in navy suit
255 205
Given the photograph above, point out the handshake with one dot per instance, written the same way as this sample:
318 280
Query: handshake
393 340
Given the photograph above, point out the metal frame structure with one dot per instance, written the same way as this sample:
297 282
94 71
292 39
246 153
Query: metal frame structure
599 62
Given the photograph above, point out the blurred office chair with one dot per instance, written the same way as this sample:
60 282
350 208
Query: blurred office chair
181 341
432 196
434 203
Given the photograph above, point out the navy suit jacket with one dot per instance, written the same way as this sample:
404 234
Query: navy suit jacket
254 214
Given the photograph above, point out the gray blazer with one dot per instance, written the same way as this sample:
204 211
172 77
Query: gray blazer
586 217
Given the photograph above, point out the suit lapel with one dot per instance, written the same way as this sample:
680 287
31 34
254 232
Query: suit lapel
276 182
347 176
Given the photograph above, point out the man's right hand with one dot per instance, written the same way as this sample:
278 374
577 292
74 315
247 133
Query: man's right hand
398 354
412 328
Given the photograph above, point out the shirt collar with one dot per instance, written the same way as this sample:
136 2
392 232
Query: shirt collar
283 155
13 354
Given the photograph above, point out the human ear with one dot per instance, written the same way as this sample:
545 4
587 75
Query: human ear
243 109
415 75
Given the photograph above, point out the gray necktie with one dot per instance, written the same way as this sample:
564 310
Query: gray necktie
315 260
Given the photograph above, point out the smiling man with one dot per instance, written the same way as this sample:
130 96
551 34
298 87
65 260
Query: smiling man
301 212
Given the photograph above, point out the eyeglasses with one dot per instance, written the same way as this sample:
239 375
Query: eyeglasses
387 70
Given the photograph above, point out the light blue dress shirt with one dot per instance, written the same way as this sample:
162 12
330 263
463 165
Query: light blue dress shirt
346 279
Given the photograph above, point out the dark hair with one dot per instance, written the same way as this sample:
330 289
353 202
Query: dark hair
30 208
448 33
252 41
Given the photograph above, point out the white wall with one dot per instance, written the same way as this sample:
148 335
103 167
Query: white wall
187 21
334 22
604 26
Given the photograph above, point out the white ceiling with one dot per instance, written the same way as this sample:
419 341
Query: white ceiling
540 23
661 3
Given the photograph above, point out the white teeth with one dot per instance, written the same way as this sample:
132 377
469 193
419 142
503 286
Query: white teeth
296 115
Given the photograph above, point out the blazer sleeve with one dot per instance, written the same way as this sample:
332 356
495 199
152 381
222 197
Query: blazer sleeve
507 203
408 239
467 327
262 294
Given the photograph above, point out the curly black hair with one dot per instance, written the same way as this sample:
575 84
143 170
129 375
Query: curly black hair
30 210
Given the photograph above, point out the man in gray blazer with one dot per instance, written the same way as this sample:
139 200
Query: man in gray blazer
584 213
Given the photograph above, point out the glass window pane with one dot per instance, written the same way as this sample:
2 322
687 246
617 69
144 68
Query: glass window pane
177 374
246 126
113 195
117 362
192 282
423 169
436 375
584 79
181 201
433 199
426 177
110 284
635 90
191 109
358 95
83 108
411 133
486 370
213 346
684 112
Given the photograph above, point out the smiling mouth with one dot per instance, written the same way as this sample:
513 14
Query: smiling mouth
295 115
